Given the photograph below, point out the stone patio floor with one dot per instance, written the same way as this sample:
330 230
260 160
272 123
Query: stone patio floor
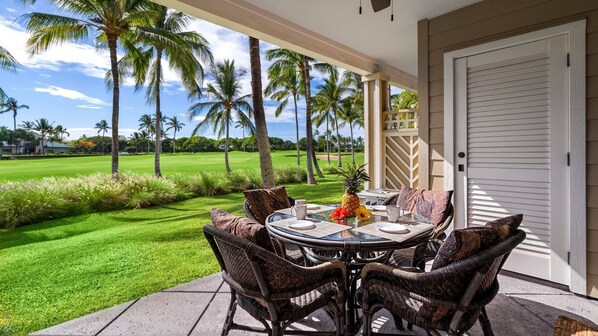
199 308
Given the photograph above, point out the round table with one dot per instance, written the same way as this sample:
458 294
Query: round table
355 249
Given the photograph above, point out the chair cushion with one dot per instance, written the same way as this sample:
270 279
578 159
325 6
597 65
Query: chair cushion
427 203
506 226
465 243
263 202
242 227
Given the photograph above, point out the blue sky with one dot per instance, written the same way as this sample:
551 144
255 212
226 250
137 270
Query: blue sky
66 86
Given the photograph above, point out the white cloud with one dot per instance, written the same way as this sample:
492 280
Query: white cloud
12 10
70 94
199 118
90 107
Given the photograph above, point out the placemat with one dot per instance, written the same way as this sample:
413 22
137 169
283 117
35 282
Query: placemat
322 229
322 208
414 230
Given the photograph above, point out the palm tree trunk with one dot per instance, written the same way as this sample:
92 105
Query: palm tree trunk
174 142
14 130
317 165
102 141
261 129
226 165
115 103
338 137
158 146
308 129
327 139
352 146
297 129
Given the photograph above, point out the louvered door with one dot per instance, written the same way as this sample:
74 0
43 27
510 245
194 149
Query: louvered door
512 129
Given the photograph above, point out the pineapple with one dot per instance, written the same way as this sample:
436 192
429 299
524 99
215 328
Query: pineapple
354 176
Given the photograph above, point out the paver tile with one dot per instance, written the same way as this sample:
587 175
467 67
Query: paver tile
87 325
210 283
164 313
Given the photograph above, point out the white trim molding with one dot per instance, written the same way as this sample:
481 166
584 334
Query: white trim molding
576 32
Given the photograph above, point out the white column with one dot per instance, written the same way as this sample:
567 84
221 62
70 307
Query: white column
375 103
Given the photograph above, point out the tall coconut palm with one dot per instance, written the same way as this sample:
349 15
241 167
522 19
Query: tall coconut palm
43 127
302 65
60 131
146 122
184 51
259 115
284 83
176 125
329 97
102 127
352 116
323 115
115 22
227 102
7 62
11 105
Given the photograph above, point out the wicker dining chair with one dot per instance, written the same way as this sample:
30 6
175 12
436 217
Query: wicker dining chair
419 255
451 298
273 289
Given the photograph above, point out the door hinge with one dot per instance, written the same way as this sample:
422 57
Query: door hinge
568 258
569 159
568 59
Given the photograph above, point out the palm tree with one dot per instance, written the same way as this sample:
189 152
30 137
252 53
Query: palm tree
114 21
226 94
353 116
43 127
329 97
285 83
103 127
60 131
323 115
11 105
146 122
183 51
136 139
27 125
404 100
7 62
286 60
175 125
259 115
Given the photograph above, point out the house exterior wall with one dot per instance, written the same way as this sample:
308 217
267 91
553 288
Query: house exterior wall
493 20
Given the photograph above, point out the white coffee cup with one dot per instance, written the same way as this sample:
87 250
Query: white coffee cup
362 200
300 201
299 211
393 212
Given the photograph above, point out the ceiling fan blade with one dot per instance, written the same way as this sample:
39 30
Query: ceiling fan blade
379 5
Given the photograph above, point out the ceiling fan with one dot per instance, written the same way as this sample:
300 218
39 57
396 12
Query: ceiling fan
378 5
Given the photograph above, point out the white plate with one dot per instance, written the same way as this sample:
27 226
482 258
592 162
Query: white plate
380 207
302 225
391 227
312 207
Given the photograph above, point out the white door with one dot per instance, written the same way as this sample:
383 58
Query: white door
511 149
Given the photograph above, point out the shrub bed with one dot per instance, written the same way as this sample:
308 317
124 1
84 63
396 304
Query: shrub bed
23 203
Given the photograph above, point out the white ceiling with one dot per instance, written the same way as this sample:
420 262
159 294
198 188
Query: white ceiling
393 43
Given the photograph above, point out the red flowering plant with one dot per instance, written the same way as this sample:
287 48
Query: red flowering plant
339 213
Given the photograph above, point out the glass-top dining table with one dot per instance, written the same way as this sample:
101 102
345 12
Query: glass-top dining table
352 241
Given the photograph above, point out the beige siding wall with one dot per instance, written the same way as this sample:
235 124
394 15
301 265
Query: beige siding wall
492 20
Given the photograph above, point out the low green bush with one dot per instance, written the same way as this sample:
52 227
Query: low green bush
23 203
330 169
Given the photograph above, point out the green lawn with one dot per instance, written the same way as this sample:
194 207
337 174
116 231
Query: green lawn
185 163
58 270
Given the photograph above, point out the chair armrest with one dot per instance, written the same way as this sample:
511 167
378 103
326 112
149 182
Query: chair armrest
425 285
425 252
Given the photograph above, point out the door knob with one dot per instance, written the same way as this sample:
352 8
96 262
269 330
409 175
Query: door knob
461 155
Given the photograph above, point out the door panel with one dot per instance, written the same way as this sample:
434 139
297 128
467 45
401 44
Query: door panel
512 124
